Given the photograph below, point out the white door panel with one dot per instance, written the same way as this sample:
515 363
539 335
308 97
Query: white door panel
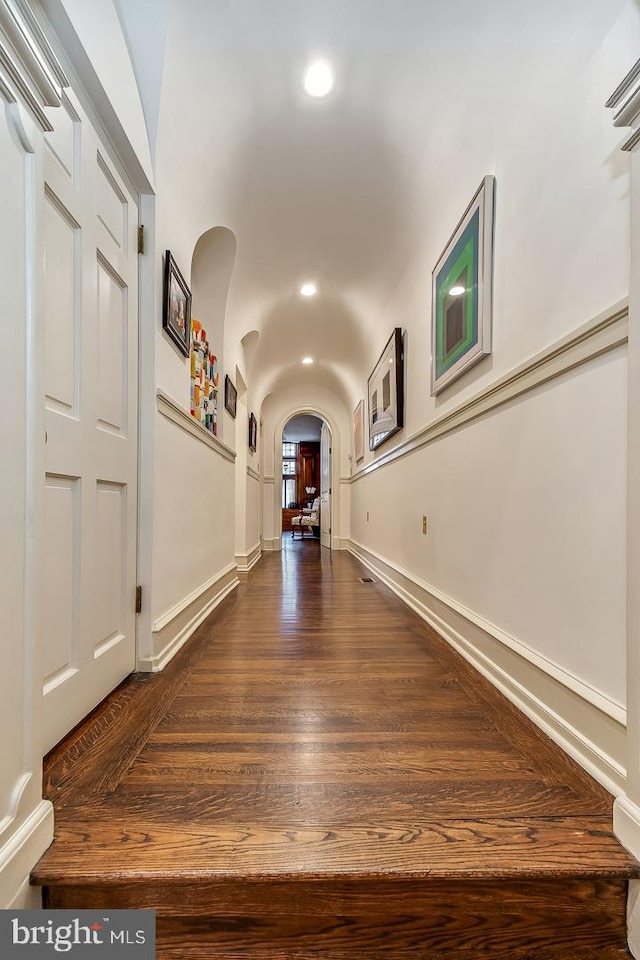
325 486
91 359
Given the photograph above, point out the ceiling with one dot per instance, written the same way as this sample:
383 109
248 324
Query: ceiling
303 427
342 191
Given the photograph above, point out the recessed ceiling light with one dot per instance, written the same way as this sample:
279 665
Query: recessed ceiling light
308 289
318 80
307 359
456 291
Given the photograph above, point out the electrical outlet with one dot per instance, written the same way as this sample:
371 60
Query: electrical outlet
424 524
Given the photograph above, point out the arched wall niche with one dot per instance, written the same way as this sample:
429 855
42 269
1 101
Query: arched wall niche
211 269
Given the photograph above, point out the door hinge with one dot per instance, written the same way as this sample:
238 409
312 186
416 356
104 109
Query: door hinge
329 491
138 599
141 239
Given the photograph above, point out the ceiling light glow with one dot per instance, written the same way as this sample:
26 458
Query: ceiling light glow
318 80
307 359
308 289
457 291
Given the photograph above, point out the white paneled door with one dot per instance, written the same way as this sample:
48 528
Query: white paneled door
325 486
90 327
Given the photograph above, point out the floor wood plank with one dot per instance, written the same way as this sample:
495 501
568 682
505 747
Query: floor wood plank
320 771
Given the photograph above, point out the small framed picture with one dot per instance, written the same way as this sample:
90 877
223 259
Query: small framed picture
253 433
358 431
230 396
386 392
176 305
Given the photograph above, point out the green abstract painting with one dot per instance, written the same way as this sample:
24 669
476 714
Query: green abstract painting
461 307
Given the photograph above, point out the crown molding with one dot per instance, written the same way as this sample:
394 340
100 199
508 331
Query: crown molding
30 72
625 102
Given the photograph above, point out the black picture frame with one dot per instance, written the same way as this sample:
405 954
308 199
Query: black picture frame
176 305
385 389
253 433
230 396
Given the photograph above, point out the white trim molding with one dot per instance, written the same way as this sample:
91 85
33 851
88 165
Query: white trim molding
625 102
245 561
172 410
172 630
585 723
253 474
603 333
29 69
626 824
20 852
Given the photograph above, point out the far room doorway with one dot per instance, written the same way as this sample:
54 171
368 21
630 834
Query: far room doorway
302 476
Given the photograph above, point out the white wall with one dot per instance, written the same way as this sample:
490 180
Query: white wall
193 537
526 520
526 505
193 559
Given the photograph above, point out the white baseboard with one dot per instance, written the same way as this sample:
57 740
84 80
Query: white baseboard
20 853
626 825
271 544
245 561
585 724
173 629
28 897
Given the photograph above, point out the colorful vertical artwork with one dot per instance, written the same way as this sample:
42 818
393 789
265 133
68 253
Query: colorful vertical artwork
204 379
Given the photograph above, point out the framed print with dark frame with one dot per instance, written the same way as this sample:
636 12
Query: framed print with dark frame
461 292
386 392
358 431
176 305
253 433
230 396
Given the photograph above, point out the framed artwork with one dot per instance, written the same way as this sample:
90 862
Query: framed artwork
204 379
461 292
358 431
386 392
253 433
176 305
230 396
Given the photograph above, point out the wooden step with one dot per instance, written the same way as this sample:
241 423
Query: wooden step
507 848
403 918
318 778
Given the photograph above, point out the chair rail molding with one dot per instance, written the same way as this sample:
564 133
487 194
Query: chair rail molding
172 410
604 332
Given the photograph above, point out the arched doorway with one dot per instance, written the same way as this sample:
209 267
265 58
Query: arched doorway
306 472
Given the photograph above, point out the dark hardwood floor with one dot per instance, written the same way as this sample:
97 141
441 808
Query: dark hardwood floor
317 774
